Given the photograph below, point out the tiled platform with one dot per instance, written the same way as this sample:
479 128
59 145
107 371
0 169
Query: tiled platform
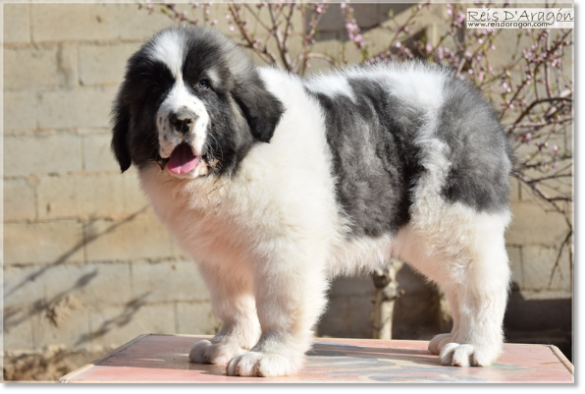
163 359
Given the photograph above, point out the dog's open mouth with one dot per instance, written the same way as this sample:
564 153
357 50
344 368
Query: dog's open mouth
182 160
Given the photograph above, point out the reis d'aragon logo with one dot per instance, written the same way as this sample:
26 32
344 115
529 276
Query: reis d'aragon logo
520 18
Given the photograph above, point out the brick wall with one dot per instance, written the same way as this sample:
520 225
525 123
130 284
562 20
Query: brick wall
87 266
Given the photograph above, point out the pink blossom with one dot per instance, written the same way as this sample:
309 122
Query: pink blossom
439 53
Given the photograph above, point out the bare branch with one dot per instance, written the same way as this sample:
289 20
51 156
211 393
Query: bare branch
280 41
556 266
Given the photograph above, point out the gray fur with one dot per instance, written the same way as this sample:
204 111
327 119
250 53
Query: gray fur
481 155
374 159
377 163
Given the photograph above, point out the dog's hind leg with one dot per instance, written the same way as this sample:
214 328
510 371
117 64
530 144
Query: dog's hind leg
481 301
233 303
464 253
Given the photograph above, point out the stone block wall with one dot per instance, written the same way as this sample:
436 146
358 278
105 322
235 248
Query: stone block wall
87 267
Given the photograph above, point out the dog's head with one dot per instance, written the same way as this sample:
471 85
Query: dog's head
192 103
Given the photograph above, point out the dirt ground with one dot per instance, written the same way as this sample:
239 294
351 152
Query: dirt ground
48 366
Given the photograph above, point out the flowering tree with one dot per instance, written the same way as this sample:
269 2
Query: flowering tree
532 88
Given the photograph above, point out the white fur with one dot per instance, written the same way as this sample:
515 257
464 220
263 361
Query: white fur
331 85
179 97
214 76
169 49
269 239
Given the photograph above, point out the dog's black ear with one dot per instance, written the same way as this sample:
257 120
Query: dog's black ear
261 108
121 121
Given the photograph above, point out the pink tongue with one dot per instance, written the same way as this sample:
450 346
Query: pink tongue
182 160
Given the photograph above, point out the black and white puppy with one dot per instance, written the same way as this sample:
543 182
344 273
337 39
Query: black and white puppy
276 184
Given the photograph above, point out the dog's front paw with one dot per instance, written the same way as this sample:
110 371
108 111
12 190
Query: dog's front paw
261 364
465 355
205 352
439 341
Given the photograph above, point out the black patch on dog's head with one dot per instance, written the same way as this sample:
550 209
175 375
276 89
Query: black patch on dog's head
146 84
120 136
261 108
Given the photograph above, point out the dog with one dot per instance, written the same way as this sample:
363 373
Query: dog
276 184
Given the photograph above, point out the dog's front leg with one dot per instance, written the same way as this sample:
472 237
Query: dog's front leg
232 299
290 288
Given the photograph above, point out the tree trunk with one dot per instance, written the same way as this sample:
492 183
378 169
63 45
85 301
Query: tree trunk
386 293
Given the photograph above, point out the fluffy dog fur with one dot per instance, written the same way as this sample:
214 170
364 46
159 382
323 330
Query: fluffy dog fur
275 184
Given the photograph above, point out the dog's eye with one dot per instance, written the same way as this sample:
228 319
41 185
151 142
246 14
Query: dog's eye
203 84
152 88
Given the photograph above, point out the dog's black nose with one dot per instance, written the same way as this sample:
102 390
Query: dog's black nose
182 120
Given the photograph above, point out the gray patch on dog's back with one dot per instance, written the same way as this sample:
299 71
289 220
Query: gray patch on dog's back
374 159
481 154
